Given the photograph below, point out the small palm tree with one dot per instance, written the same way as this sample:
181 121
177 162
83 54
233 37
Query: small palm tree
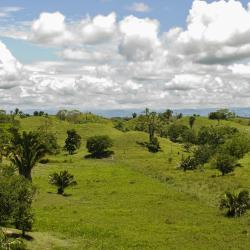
62 180
236 203
25 151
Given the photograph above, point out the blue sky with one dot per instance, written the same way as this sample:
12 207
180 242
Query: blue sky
117 54
170 14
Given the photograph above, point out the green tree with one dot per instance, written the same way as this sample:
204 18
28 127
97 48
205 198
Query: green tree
62 180
25 151
191 121
98 146
202 154
237 146
225 163
16 194
188 163
235 203
72 142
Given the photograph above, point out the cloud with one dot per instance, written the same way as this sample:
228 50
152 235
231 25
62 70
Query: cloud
139 7
139 38
10 69
217 32
52 29
7 11
109 63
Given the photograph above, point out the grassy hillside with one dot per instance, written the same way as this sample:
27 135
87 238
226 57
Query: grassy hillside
136 199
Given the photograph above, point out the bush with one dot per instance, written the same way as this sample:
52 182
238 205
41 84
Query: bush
62 180
16 198
154 145
225 163
237 146
188 163
11 244
176 132
202 154
98 146
235 203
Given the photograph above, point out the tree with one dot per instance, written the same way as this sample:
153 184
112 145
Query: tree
176 131
16 194
98 146
25 151
225 163
62 180
191 121
168 114
134 115
237 146
235 203
202 154
188 163
72 142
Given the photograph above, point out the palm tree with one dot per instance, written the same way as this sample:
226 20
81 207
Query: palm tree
62 180
237 204
25 151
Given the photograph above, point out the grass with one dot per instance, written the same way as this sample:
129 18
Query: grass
135 200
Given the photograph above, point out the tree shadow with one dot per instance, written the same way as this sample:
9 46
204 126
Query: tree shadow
15 235
105 154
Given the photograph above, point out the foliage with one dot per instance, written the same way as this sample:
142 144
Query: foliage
188 163
225 163
72 142
235 203
191 121
121 126
221 114
16 195
98 146
11 244
188 136
77 117
202 154
237 146
215 136
154 145
25 151
176 132
62 180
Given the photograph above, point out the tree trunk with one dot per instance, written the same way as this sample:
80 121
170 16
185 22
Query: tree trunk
60 190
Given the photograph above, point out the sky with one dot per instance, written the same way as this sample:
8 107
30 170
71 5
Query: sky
117 54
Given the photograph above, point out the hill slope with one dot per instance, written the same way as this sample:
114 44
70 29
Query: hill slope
135 200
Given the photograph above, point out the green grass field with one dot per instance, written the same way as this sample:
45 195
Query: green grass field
136 199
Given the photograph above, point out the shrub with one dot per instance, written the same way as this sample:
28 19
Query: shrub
237 146
235 203
16 198
154 145
225 163
202 154
62 180
11 244
188 163
176 131
98 146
